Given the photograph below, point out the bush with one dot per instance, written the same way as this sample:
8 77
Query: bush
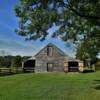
88 70
97 65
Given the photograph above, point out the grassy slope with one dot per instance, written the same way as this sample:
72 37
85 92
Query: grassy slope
50 86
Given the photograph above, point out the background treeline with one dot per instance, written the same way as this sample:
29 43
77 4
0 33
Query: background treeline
11 61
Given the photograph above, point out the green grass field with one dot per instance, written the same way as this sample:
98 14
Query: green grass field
50 86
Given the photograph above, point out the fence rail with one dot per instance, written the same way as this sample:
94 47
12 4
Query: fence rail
5 70
10 70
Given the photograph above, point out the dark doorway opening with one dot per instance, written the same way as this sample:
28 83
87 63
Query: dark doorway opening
73 66
49 67
29 65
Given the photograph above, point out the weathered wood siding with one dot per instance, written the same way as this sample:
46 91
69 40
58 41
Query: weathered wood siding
57 60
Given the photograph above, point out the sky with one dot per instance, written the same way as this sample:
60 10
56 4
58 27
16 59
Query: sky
14 44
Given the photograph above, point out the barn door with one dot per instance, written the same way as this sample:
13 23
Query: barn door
49 67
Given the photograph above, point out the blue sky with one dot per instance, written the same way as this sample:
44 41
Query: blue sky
16 45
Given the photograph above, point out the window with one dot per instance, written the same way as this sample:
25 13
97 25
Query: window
49 51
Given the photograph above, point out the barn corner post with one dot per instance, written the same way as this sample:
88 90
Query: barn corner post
65 67
81 66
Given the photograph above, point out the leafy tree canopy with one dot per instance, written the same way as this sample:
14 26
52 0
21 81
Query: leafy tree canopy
78 20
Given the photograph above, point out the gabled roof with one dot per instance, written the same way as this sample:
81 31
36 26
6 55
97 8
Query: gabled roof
51 44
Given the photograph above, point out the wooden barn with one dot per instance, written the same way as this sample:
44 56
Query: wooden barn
52 59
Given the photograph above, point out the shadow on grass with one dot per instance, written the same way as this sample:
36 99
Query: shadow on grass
9 74
97 87
97 82
88 71
13 73
6 74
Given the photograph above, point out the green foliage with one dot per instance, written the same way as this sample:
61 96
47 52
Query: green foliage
78 21
1 62
16 61
36 17
87 52
97 65
5 61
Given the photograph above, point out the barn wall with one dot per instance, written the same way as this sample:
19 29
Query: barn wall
42 59
40 66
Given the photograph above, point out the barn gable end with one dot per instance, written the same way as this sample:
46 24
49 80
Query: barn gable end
50 62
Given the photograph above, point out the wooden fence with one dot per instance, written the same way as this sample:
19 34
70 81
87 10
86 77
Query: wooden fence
5 70
10 70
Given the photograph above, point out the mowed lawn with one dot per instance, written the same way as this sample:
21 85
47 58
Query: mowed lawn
50 86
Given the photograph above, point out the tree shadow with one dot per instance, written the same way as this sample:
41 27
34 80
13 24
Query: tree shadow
97 82
97 87
9 74
6 74
14 73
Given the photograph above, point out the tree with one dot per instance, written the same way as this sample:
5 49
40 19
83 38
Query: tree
2 64
16 62
87 53
78 20
5 61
